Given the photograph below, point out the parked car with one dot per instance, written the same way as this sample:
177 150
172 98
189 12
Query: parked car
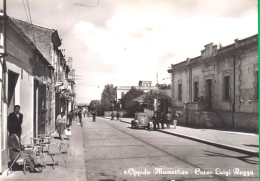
141 121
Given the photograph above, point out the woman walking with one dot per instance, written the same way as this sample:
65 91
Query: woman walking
70 116
61 124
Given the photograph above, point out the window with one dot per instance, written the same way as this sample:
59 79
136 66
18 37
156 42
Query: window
227 87
179 92
196 91
256 85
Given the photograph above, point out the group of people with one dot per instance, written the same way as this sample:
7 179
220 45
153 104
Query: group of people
14 127
16 149
113 116
162 119
64 123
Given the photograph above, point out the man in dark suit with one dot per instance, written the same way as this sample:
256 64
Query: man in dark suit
15 120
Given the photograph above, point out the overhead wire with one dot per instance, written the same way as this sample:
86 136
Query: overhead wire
25 11
28 6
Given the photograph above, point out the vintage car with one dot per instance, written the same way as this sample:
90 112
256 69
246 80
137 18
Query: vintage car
141 121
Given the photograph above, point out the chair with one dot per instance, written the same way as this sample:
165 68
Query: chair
54 149
44 141
19 161
35 141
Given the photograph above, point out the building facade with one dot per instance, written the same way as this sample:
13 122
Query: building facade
219 88
25 81
60 93
48 42
32 71
145 86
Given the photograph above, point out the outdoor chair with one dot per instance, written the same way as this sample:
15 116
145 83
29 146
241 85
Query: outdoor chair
54 150
44 141
18 161
35 141
23 161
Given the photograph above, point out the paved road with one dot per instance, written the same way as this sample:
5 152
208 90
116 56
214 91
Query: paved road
115 151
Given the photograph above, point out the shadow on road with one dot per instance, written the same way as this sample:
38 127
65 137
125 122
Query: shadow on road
242 158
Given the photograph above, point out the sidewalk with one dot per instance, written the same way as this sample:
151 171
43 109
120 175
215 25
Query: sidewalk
75 169
247 143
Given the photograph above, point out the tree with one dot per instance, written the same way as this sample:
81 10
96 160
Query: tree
108 95
130 106
95 105
161 97
149 98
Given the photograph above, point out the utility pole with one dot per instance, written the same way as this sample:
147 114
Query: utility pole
4 30
157 78
4 50
4 27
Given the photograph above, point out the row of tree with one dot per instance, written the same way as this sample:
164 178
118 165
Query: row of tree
108 101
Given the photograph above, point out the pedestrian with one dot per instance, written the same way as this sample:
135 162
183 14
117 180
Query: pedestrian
80 117
162 120
176 116
61 124
70 116
94 115
117 115
150 124
112 116
15 120
75 115
168 119
155 121
15 148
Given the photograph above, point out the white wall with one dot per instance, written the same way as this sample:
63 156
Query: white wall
24 98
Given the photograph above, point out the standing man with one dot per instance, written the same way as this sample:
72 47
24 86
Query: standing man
168 119
155 121
80 117
162 120
70 116
176 116
112 115
15 120
94 115
117 115
75 115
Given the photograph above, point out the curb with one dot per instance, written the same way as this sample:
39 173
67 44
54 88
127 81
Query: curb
219 145
77 166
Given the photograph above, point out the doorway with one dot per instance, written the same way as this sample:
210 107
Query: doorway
41 109
209 94
12 81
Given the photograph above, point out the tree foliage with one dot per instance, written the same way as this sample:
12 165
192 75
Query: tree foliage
150 96
129 105
95 105
108 95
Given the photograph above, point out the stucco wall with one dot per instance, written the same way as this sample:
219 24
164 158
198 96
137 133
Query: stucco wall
24 98
243 54
181 76
19 62
249 64
23 61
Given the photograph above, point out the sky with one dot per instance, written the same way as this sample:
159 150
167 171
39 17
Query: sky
120 42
